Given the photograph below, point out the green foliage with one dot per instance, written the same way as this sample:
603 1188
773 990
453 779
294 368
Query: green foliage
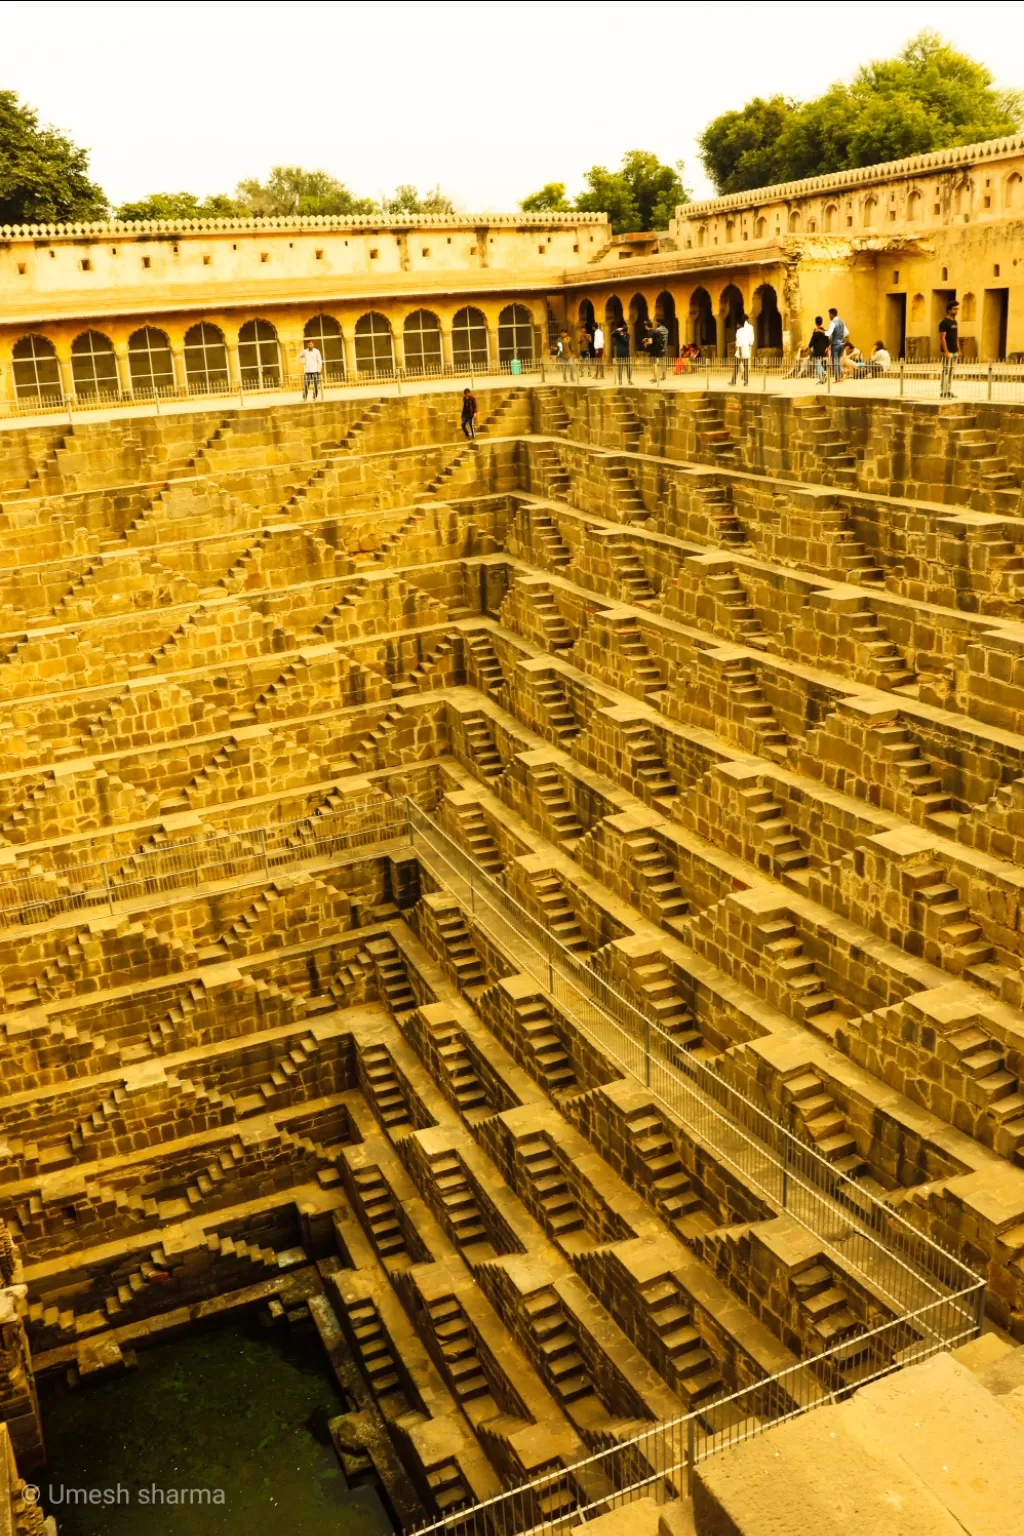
291 192
175 206
44 177
550 199
928 97
407 201
642 194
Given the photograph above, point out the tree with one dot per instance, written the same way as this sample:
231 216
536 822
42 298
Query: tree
291 192
175 206
642 194
407 201
44 177
928 97
550 199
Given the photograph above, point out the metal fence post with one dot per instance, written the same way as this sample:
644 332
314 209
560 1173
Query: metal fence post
106 882
691 1452
551 967
902 367
266 856
785 1170
472 892
990 381
647 1053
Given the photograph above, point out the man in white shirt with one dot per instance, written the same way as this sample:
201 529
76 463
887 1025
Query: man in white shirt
312 367
598 345
744 343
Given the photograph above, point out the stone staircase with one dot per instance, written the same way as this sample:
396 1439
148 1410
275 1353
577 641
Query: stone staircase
647 766
457 1199
555 1347
549 1061
380 1212
556 911
915 776
880 662
828 457
460 952
429 674
554 699
660 1172
393 985
815 1113
660 999
629 571
752 712
546 785
475 837
627 505
715 444
644 673
458 1068
483 749
778 849
813 1003
655 875
548 543
547 1190
377 1356
991 1086
483 664
670 1318
738 621
387 1095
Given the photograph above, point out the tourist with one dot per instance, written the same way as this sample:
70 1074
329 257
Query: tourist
598 350
659 347
880 362
620 351
803 367
852 360
836 333
468 414
949 346
565 356
744 342
312 367
818 347
584 344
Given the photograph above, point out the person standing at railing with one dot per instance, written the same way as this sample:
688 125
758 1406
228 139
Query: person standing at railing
565 356
818 347
659 349
584 343
836 333
949 346
598 346
744 343
468 414
312 367
620 351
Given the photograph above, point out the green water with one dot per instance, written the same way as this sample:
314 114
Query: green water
241 1410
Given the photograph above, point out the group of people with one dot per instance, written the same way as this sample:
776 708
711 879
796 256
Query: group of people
831 350
587 351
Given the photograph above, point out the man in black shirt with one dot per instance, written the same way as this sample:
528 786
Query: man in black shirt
949 346
818 347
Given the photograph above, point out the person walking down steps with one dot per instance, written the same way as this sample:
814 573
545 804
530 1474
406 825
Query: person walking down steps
468 414
744 342
312 368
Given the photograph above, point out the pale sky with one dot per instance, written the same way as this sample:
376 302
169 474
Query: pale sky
488 98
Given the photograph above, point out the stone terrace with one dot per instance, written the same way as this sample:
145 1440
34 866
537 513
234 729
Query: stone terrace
727 693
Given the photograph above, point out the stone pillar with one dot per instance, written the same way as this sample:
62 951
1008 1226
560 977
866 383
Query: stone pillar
234 372
398 347
19 1404
121 363
178 364
447 355
348 341
492 348
67 382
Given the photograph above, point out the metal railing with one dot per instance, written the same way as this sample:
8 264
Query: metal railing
252 391
249 852
935 1300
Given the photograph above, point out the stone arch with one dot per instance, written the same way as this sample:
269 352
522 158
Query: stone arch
93 364
638 317
767 319
36 369
515 334
665 311
206 358
703 330
961 201
375 346
325 331
795 221
150 364
702 236
914 207
730 231
731 309
967 308
613 315
259 355
830 218
469 339
1012 190
421 336
812 226
917 307
870 211
760 227
586 316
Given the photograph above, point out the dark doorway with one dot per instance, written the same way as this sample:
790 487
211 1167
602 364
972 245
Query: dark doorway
703 330
896 324
995 317
665 310
638 317
768 325
731 311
